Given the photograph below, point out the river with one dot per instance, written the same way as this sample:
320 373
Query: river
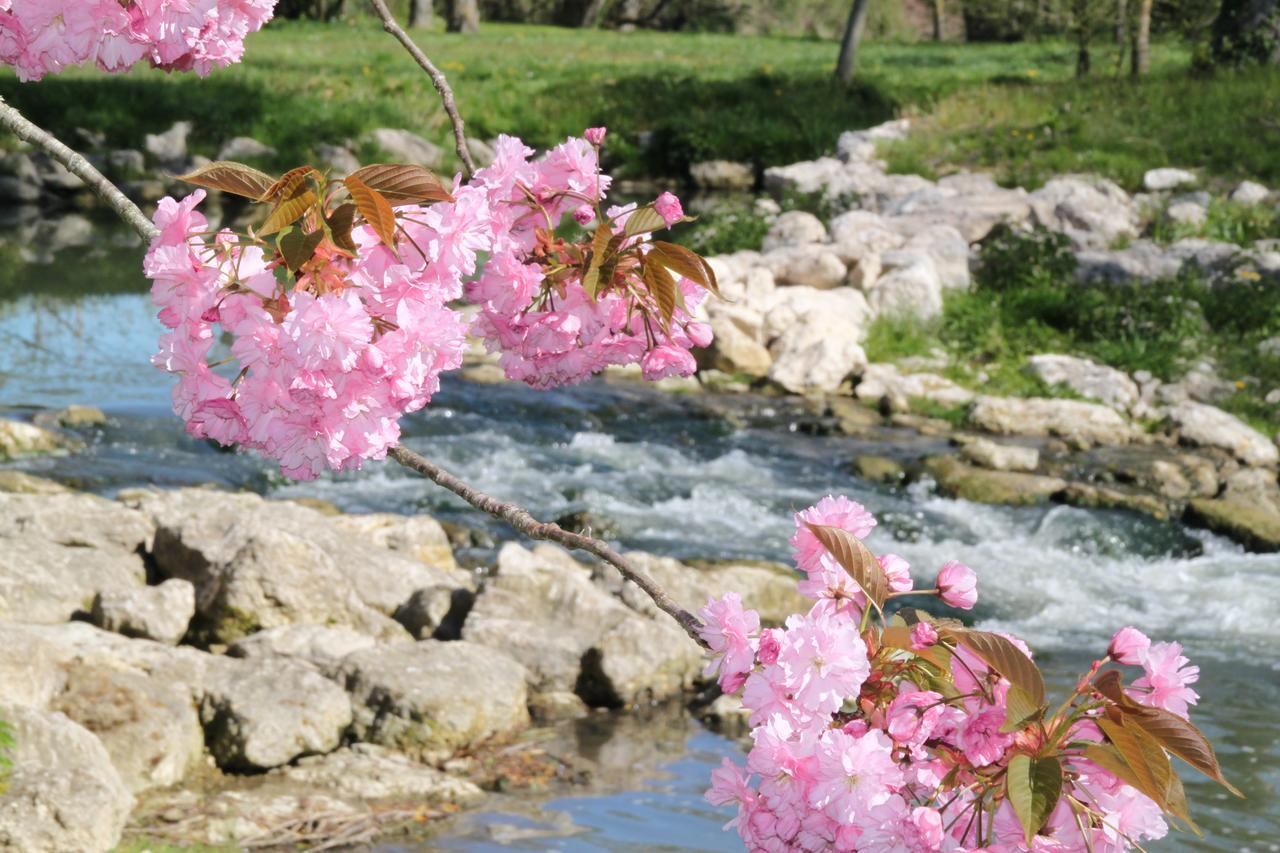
677 477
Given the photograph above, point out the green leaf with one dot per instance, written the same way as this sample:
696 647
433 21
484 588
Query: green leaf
1149 765
234 178
1020 709
1033 786
643 221
401 183
297 247
857 560
375 209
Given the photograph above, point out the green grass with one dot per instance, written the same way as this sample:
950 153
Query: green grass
1025 300
1227 222
1026 133
694 96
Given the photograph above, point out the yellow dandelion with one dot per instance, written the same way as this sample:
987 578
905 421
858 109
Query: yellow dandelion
1248 275
1240 384
1031 72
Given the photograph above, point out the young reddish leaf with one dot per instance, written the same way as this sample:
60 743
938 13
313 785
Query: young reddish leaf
688 264
1182 739
600 243
663 288
1174 733
375 209
1005 658
403 184
1176 800
340 222
289 209
643 221
1033 786
297 247
288 184
899 637
233 178
857 560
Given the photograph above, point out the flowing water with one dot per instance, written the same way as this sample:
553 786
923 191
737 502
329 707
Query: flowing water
679 476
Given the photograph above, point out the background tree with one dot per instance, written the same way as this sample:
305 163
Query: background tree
419 13
939 19
1141 53
852 38
463 16
1247 31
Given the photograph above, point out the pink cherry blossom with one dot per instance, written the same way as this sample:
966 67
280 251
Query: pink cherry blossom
730 633
923 635
668 207
1167 675
1129 646
829 512
853 774
958 585
595 135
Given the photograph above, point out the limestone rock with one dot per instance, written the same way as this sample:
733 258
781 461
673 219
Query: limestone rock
948 250
807 265
338 160
794 228
169 148
30 668
957 480
18 438
22 483
622 668
405 147
1186 213
482 153
58 551
1077 422
266 713
723 175
908 287
1155 180
1257 527
242 148
1207 426
1093 212
792 306
1087 378
433 698
367 772
768 588
1250 192
1000 457
63 794
881 382
148 725
160 613
322 646
417 536
736 346
817 356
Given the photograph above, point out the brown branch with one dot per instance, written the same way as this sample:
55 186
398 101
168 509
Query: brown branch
521 520
18 124
437 79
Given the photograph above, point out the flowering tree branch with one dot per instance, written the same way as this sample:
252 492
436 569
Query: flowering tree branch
21 127
522 520
437 79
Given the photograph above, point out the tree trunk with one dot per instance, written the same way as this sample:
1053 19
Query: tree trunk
1247 31
419 13
852 38
464 16
1084 33
1142 40
939 19
1122 33
594 13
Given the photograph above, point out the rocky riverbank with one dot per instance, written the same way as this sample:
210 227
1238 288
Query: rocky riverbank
799 309
213 668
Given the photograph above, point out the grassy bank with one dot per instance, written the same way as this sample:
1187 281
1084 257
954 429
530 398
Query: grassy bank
692 96
1026 300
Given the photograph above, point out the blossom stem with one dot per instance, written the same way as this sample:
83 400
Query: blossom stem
75 163
437 79
521 519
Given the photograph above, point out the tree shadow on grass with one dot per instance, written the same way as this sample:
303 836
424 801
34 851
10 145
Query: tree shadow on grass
762 119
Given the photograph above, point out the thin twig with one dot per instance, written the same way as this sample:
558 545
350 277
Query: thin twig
437 79
21 127
522 520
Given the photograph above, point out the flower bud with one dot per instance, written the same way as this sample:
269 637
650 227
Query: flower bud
584 214
923 635
1128 646
595 135
958 585
769 645
668 207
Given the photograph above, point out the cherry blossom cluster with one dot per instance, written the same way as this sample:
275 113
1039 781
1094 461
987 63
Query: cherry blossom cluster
39 37
316 375
535 309
861 744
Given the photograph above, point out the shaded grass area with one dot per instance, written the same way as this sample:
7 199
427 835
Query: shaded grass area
1025 300
670 99
1225 124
